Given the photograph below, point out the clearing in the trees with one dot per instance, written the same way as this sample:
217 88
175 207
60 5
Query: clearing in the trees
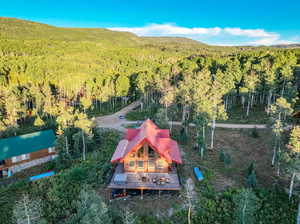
146 159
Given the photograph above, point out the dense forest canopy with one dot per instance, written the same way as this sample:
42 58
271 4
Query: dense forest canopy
61 77
42 67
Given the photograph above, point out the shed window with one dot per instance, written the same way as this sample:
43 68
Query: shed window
25 156
16 159
51 149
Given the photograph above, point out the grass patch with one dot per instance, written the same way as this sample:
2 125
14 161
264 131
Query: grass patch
138 115
237 115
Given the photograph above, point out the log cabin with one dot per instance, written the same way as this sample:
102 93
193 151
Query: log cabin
146 158
25 151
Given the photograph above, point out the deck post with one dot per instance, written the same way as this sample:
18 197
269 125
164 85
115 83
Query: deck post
159 193
141 193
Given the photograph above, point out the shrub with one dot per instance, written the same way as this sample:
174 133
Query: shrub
250 174
222 155
251 180
254 133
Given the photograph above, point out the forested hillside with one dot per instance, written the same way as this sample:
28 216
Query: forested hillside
61 78
42 67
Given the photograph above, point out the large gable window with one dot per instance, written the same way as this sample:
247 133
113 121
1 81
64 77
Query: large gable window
140 152
151 153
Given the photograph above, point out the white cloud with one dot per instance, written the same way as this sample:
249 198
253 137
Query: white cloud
250 32
272 41
168 29
213 35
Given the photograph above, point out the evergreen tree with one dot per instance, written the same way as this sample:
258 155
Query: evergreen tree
251 180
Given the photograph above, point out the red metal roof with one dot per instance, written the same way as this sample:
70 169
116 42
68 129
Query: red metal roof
158 139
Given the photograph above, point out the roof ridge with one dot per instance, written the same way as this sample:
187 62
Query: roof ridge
159 139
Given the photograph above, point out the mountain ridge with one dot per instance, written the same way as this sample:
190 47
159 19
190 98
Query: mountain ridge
14 28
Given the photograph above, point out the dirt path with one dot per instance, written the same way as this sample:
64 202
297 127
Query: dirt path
224 125
114 121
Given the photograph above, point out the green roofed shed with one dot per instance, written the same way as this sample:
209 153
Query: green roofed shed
23 144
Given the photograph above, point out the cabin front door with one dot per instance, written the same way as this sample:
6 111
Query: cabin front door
151 165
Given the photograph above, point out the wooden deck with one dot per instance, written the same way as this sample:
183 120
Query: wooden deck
135 180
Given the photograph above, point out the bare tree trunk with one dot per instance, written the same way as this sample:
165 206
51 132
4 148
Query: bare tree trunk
26 212
83 142
262 98
212 133
243 101
292 185
252 100
298 215
274 153
269 101
244 211
67 147
183 114
226 103
189 215
248 106
203 133
278 165
166 114
142 106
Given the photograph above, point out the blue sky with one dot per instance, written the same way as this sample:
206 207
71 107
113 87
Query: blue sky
222 22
